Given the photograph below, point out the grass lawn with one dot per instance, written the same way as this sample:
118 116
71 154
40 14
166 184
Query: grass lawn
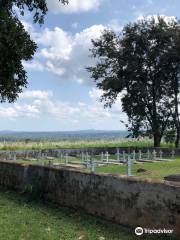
156 170
25 219
122 142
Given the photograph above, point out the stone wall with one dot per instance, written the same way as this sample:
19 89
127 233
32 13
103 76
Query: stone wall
123 200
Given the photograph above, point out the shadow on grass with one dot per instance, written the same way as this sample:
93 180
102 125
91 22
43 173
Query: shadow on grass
26 218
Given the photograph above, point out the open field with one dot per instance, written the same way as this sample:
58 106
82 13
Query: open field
22 145
25 219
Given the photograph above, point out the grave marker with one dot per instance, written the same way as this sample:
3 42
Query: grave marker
154 154
102 157
14 157
87 156
140 155
9 153
107 157
173 154
118 156
88 165
92 166
128 166
27 155
39 155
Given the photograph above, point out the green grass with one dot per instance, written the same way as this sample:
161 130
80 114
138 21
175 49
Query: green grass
20 145
25 219
156 170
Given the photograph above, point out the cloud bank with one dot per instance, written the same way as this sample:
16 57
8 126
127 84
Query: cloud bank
40 104
74 6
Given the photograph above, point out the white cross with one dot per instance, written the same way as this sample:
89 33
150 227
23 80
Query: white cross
128 166
102 157
154 154
140 155
107 157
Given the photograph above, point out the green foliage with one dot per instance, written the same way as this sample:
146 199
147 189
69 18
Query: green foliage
38 7
16 45
169 136
141 64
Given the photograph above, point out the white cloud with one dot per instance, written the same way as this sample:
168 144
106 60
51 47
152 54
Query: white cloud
40 104
64 54
56 70
74 6
34 65
115 25
168 19
95 94
36 94
23 111
57 44
97 108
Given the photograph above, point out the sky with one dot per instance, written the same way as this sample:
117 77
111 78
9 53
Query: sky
60 95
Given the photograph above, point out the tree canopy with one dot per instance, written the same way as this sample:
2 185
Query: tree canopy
16 44
142 63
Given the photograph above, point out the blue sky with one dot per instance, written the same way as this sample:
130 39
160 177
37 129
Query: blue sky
60 95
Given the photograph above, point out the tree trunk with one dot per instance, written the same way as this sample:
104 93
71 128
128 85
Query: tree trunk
177 137
157 140
177 121
156 134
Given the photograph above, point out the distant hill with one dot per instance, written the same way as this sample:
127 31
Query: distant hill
7 132
8 135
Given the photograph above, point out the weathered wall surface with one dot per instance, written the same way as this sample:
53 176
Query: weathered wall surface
128 201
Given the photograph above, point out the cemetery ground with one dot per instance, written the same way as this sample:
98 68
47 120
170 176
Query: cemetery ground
156 170
22 218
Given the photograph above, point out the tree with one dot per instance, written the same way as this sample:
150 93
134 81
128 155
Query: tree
173 64
16 45
138 64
